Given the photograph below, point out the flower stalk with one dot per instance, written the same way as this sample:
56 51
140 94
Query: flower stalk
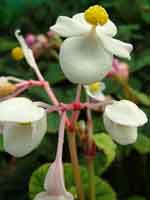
75 163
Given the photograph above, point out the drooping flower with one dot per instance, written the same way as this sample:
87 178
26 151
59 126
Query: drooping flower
121 120
86 55
95 91
119 70
54 181
24 125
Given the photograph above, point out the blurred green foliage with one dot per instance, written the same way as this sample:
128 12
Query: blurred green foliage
127 169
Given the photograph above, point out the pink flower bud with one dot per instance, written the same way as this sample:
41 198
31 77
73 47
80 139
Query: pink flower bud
30 39
119 69
43 40
50 34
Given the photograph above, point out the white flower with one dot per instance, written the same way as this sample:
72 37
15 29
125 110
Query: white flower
121 120
95 91
54 184
86 56
24 125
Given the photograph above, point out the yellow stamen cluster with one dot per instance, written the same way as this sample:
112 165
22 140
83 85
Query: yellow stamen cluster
6 89
96 15
17 54
95 87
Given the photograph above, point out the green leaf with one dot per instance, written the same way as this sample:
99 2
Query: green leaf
136 198
53 122
105 144
54 73
141 97
142 144
103 189
37 180
7 44
137 63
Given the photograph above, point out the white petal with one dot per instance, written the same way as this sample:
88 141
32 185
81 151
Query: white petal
54 181
20 109
84 60
99 96
42 196
80 19
19 140
26 50
109 28
125 112
114 46
121 134
68 27
46 196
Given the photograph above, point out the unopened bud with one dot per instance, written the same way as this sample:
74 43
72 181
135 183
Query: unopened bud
43 40
6 89
30 39
119 70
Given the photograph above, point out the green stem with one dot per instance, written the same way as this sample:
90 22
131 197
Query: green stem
75 164
90 166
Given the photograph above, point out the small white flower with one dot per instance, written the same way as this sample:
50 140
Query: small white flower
86 56
121 120
95 91
24 125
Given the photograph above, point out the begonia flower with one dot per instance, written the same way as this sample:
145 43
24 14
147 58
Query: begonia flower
87 53
95 91
121 120
23 125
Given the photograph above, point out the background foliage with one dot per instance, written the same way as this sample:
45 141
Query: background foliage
126 169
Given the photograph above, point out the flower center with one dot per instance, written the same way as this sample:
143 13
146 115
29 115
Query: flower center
95 87
96 15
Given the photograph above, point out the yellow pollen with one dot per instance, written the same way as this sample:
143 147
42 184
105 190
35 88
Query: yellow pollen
24 123
17 53
95 87
96 15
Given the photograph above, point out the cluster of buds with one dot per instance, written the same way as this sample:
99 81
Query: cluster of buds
41 45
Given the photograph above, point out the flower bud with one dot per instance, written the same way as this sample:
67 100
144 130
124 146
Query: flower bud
43 40
17 53
6 88
30 39
119 70
50 34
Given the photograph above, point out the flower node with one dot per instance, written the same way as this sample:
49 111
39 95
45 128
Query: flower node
77 106
96 15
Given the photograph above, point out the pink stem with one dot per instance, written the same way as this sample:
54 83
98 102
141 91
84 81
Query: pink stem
61 137
75 114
